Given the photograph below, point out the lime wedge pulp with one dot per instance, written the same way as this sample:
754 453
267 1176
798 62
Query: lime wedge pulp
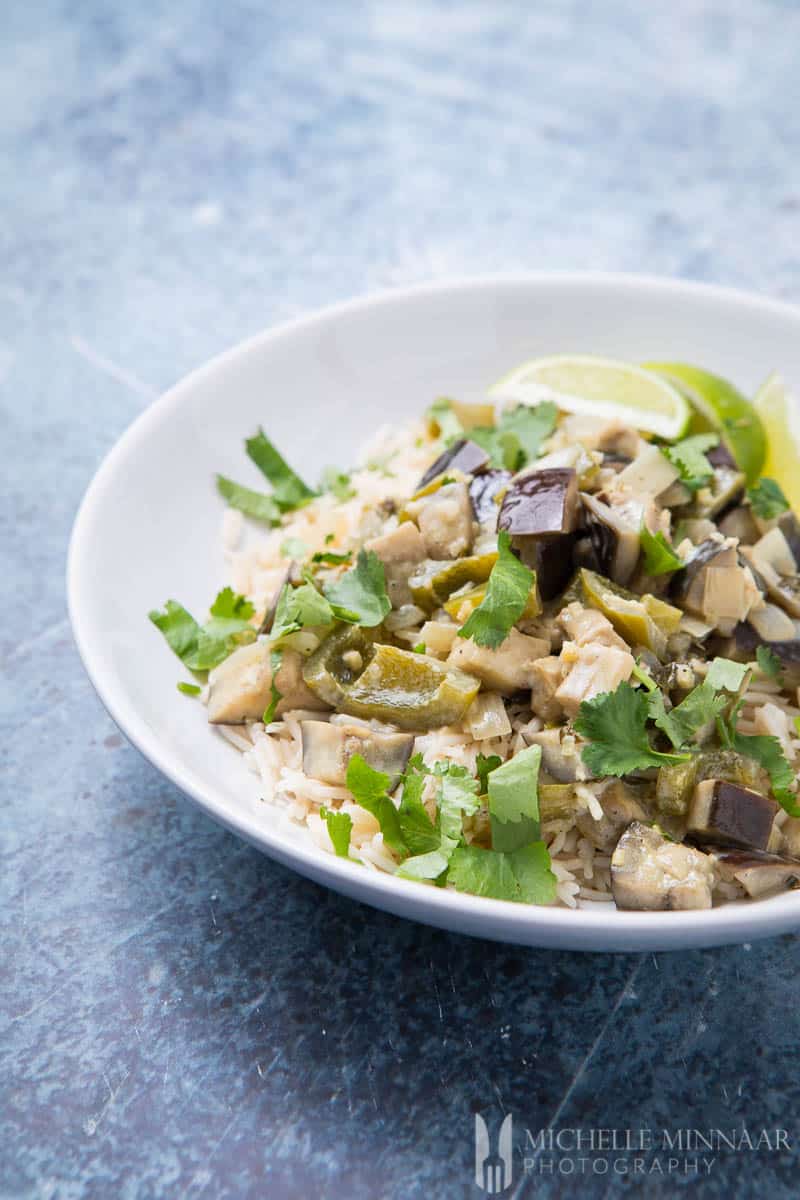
774 407
600 387
721 406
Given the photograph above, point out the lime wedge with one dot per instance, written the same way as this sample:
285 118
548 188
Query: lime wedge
774 406
600 387
722 407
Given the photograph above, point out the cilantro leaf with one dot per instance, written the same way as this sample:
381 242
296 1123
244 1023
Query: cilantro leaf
523 876
275 660
200 648
369 788
765 749
340 827
189 689
298 608
537 882
288 489
517 437
659 557
689 457
768 662
178 627
483 767
640 672
504 603
361 592
253 504
337 483
726 675
767 499
531 425
615 724
328 556
514 800
680 724
456 798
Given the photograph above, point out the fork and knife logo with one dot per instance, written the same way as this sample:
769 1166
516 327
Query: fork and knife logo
493 1172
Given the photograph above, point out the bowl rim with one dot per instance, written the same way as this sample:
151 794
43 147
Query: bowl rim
557 926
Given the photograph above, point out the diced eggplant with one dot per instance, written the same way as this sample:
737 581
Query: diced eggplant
786 593
790 528
445 521
650 473
723 813
758 873
621 806
400 551
561 760
464 456
720 456
650 873
614 537
739 523
745 641
240 688
484 490
541 504
327 750
772 624
715 586
506 669
774 552
551 559
401 545
723 492
487 717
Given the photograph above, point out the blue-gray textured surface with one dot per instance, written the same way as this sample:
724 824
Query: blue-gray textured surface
179 1015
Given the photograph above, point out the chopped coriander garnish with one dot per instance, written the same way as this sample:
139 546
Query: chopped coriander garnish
328 556
456 798
337 483
615 725
659 557
682 722
514 800
288 489
506 596
484 766
200 648
275 660
329 537
769 663
340 827
189 689
517 437
644 677
689 457
369 788
298 608
253 504
726 675
524 875
361 592
767 499
419 648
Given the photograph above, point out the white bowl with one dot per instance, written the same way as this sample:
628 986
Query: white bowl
149 527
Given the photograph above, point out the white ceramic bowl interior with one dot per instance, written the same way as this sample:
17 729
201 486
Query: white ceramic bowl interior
149 527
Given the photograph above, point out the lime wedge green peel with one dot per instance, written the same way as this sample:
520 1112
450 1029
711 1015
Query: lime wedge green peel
722 407
774 407
600 387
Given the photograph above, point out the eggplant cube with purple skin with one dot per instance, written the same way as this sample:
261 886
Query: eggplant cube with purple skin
726 814
542 504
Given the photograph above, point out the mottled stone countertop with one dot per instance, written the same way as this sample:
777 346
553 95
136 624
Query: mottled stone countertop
180 1016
